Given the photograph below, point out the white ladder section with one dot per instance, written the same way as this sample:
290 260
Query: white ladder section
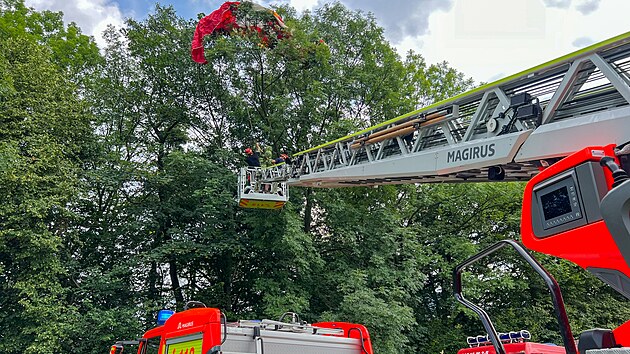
505 130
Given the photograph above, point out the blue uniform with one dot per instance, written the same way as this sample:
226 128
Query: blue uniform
253 160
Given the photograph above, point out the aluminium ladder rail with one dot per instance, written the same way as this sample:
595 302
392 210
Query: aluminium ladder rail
584 99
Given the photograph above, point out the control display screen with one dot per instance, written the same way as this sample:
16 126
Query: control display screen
556 203
568 200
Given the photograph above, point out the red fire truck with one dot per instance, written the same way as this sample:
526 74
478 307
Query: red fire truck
205 330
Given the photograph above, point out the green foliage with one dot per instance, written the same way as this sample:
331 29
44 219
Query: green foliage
117 176
71 50
43 134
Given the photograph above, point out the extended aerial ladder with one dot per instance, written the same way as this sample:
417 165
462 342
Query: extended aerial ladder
506 130
552 125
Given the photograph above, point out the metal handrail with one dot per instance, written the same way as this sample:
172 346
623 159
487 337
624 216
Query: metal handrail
552 285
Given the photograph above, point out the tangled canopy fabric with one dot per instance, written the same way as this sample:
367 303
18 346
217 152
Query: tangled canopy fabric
225 20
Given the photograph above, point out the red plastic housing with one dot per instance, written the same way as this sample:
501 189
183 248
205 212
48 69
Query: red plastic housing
350 330
590 245
622 334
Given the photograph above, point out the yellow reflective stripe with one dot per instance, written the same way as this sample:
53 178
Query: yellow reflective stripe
261 204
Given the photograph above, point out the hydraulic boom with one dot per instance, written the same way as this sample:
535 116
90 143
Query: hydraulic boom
506 130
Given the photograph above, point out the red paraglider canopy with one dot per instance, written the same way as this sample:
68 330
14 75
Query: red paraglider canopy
225 19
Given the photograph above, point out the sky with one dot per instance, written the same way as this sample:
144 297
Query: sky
484 39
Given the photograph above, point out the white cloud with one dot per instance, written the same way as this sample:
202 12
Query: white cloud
563 4
302 5
484 38
402 18
582 42
92 16
299 5
587 6
399 18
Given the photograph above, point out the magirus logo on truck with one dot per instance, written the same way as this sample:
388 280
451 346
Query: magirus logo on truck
471 153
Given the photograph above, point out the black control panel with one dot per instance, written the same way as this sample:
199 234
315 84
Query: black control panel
559 203
568 200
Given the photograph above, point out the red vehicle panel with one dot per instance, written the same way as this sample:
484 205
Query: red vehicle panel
204 321
520 348
590 245
351 330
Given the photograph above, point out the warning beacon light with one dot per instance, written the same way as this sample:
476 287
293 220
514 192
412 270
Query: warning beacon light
509 337
164 315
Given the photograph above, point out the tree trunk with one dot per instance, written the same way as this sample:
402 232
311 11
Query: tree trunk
177 290
227 281
308 209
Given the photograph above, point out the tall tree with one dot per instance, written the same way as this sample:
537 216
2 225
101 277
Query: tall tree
44 134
